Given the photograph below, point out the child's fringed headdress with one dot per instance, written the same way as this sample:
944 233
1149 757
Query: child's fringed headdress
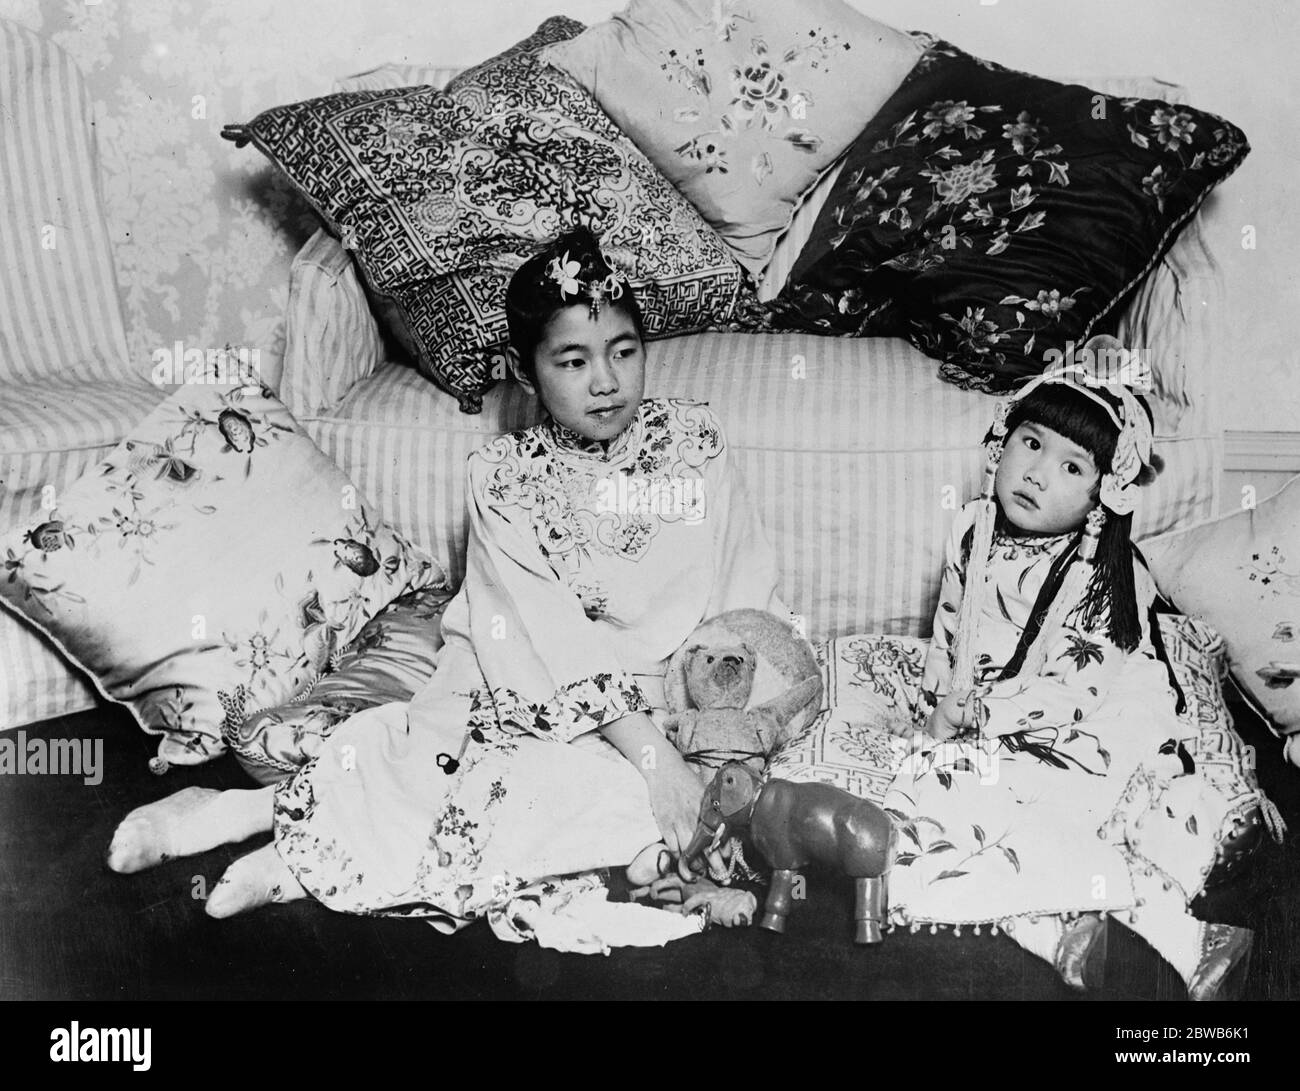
1102 365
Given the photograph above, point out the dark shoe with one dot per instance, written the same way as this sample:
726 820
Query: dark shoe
1081 954
1225 958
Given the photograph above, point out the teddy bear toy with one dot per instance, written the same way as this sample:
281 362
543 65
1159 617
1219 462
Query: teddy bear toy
739 688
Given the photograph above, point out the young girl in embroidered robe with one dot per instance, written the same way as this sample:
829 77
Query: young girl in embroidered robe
599 539
1047 701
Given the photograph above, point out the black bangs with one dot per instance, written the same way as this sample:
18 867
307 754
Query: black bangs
1071 414
533 296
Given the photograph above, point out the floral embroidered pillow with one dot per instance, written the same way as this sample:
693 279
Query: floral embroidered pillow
871 682
442 194
1241 574
743 104
993 217
214 563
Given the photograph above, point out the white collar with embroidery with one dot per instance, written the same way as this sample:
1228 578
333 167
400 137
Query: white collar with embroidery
563 438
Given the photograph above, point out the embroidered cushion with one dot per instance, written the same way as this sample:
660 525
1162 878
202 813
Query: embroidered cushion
993 217
212 563
741 104
442 194
871 681
1241 574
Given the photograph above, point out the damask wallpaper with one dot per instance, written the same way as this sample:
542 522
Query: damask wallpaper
204 233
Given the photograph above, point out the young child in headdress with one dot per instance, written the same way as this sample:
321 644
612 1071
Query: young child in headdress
1046 612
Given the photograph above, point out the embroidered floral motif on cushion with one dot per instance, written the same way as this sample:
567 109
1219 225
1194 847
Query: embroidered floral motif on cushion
968 213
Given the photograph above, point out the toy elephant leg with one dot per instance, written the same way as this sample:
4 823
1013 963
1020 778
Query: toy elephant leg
870 904
779 900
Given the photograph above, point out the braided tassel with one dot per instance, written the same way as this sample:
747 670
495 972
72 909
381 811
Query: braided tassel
1070 594
972 601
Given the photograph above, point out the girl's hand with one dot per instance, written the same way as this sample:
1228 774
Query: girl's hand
675 791
675 797
950 716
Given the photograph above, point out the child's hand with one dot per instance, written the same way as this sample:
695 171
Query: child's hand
675 797
900 724
950 716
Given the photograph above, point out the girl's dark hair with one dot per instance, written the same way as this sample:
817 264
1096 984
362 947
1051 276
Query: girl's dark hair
533 296
1111 597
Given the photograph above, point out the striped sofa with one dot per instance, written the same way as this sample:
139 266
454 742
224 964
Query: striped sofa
856 454
68 394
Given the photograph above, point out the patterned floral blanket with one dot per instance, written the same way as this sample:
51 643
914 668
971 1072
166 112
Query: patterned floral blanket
1004 828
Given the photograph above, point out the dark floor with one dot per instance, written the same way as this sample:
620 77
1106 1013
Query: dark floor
72 930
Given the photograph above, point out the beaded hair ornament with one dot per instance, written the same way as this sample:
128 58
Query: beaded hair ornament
566 273
1102 364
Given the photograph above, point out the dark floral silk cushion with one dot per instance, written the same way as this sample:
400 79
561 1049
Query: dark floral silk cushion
443 193
992 216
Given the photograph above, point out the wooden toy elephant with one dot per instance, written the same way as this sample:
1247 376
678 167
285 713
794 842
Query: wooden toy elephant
794 825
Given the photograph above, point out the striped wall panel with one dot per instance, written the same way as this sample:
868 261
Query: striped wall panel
36 681
59 309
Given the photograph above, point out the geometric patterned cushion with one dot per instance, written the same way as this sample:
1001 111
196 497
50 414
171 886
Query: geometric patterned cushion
1225 764
442 194
332 338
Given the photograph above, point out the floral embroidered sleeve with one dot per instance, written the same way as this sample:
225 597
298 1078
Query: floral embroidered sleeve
548 670
1081 668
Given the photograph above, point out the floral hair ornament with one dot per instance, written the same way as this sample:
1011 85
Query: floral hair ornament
566 272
